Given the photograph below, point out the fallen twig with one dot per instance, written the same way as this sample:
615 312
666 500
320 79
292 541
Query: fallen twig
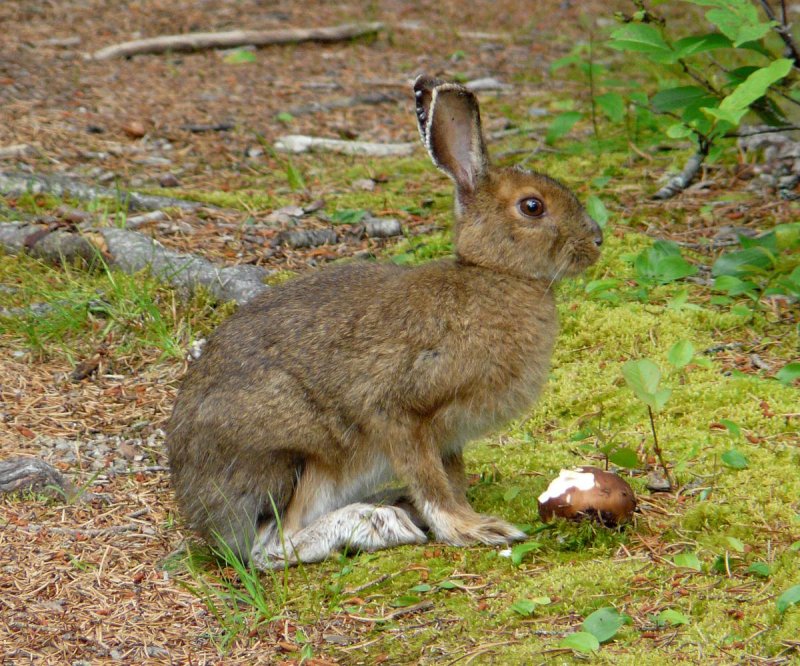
201 127
26 474
679 183
16 150
16 184
84 532
297 143
408 610
140 220
214 40
132 252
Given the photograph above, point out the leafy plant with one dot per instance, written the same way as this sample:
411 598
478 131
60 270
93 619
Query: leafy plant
763 268
526 607
671 617
789 598
644 378
581 641
710 99
688 561
604 623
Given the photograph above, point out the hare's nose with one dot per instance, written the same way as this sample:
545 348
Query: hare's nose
596 230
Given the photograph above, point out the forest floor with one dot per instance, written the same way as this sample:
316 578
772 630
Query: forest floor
90 362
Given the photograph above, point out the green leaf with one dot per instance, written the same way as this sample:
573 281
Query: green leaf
700 43
405 600
422 587
756 85
743 262
671 617
678 98
688 560
562 124
733 286
348 216
679 131
624 457
670 269
581 641
737 19
526 607
732 428
662 263
597 210
519 551
600 286
603 624
788 598
735 544
735 459
294 177
642 38
239 57
511 493
612 105
284 117
680 354
789 373
447 585
759 569
643 377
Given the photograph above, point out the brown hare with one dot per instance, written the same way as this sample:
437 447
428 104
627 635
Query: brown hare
321 391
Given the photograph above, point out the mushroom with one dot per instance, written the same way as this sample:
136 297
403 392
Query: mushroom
588 492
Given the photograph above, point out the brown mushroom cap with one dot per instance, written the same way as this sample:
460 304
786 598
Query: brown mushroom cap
588 492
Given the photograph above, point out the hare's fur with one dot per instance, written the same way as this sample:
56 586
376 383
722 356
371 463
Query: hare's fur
321 391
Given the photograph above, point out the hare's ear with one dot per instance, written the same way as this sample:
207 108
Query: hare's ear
450 127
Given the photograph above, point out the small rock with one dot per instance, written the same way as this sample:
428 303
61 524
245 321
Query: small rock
657 483
95 129
537 112
314 206
156 651
284 215
364 184
169 180
135 129
253 151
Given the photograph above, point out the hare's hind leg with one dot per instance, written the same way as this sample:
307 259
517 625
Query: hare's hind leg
353 527
325 516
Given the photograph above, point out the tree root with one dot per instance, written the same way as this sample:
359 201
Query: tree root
132 252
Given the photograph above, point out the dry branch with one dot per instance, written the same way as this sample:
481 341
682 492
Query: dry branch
17 184
25 474
297 143
213 40
679 183
132 252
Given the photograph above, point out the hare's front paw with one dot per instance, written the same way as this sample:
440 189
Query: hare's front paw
465 530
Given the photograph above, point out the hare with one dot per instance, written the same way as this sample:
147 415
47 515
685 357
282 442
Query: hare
324 390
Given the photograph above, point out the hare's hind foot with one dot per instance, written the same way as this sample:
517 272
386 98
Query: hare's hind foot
467 528
353 527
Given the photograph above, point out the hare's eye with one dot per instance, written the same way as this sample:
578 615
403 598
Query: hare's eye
531 207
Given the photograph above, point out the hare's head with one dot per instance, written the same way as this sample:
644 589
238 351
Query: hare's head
510 220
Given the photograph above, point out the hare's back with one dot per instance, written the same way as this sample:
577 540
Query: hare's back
308 315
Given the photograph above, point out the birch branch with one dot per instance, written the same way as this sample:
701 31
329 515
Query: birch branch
199 41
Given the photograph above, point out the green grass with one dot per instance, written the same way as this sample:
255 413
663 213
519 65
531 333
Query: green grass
70 313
